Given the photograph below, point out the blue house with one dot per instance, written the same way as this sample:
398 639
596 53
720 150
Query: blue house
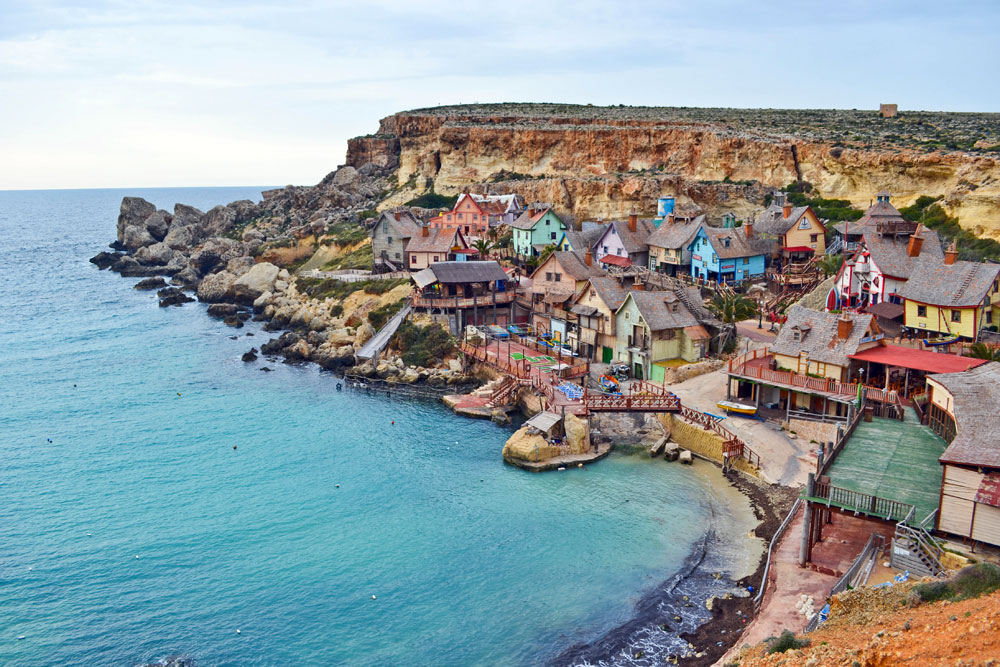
727 255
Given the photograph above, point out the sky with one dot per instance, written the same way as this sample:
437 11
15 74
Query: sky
143 93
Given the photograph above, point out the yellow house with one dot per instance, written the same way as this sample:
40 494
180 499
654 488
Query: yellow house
962 410
953 298
798 232
595 308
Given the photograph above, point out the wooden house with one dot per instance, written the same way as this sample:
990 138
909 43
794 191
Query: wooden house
437 245
390 234
623 244
595 306
670 244
728 255
537 227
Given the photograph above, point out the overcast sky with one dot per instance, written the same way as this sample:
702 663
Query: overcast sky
128 93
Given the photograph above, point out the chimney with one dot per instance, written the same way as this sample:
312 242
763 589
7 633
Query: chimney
632 217
425 230
588 258
915 244
951 254
670 219
779 198
844 326
398 214
786 210
748 225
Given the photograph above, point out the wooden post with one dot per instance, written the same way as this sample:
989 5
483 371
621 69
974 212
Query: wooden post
806 544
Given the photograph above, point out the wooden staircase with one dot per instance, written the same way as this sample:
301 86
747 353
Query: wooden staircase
915 550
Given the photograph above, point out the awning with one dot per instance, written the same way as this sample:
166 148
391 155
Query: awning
581 309
556 297
424 278
799 248
544 421
616 260
918 360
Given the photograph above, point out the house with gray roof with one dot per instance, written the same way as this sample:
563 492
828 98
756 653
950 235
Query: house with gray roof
669 244
962 409
728 254
390 234
623 244
952 298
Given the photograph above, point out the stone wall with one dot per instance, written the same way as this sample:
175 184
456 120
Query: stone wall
706 444
688 371
809 430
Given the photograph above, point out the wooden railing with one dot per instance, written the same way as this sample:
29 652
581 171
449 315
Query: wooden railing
480 301
504 391
738 366
731 445
845 435
890 510
521 371
640 396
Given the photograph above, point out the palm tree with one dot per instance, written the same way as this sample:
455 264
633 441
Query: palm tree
984 351
830 264
731 308
484 247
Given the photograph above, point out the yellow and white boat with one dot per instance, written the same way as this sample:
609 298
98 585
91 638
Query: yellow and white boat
739 408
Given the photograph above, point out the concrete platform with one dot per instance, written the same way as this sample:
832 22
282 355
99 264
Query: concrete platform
568 460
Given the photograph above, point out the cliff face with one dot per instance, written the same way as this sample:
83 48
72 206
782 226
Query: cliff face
600 162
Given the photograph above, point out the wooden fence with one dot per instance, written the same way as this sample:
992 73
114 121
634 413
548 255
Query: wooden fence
835 496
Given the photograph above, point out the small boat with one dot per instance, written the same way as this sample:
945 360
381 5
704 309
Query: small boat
738 408
942 340
609 385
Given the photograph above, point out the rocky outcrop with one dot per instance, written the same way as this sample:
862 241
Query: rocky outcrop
216 287
256 281
528 445
601 161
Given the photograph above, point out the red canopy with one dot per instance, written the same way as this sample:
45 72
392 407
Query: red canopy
918 360
616 260
799 248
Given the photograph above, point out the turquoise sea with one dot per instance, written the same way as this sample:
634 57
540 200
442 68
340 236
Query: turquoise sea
157 495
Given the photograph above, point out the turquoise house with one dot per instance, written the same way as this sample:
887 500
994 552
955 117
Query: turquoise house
728 255
535 229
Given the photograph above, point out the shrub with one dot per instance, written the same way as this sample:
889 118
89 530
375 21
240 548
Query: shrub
431 199
423 346
971 581
379 316
336 310
786 642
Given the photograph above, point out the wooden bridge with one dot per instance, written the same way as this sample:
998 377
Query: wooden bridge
640 396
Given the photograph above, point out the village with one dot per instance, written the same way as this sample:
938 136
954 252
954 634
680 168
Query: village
861 380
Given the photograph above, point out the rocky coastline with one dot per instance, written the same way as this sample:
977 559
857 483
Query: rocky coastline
230 256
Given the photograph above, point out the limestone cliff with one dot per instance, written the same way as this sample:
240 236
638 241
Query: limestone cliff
600 161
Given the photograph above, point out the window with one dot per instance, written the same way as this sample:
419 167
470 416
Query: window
669 334
548 275
389 239
605 248
436 257
413 259
956 315
592 294
715 258
449 218
796 336
459 216
813 238
673 308
921 311
475 217
746 260
558 277
725 243
620 251
989 317
397 255
552 235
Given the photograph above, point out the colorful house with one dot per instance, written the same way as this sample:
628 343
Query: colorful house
390 234
727 255
623 244
670 244
437 245
797 233
595 306
656 327
501 209
554 283
962 409
468 215
953 298
536 228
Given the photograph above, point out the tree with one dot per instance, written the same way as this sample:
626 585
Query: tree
830 264
731 308
484 247
984 351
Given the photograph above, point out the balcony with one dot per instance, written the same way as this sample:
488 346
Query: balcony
460 302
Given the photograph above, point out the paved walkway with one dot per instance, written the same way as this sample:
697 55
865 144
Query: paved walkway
894 460
749 329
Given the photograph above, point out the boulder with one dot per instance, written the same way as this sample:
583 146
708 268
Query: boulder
216 287
158 224
135 237
186 277
186 216
157 254
240 265
250 355
150 284
180 237
218 221
276 345
455 366
409 376
298 351
234 321
223 309
283 274
280 285
105 260
577 434
261 302
364 334
301 318
133 213
345 175
257 280
173 299
526 446
686 457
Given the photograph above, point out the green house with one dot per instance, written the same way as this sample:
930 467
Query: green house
656 327
535 229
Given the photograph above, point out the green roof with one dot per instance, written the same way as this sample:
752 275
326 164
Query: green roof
893 460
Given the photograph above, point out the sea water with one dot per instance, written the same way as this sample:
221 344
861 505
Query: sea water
158 496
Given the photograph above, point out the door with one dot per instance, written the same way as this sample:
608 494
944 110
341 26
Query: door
637 371
607 354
